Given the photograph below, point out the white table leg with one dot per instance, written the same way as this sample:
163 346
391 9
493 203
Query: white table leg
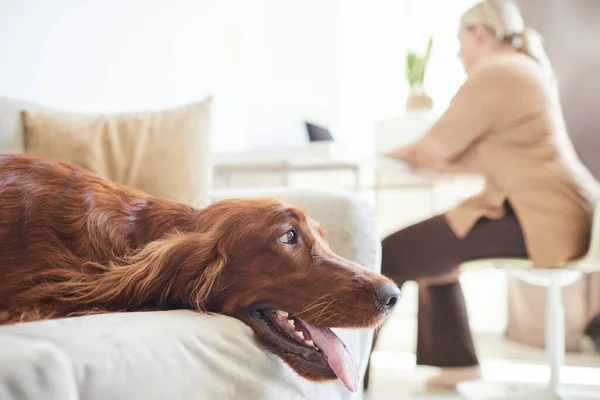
357 178
285 175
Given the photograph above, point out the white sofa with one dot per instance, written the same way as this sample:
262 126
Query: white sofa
176 354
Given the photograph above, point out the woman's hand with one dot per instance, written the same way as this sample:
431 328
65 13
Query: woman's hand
402 153
424 159
406 154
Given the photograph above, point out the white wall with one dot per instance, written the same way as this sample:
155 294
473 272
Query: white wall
253 56
269 64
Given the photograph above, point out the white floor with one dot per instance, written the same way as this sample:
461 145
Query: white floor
395 376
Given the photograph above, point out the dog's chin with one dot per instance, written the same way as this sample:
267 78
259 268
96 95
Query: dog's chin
297 343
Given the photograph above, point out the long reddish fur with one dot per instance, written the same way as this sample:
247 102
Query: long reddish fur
73 243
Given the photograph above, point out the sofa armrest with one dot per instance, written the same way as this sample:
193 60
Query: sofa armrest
348 219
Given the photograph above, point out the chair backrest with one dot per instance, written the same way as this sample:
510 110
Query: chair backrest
594 248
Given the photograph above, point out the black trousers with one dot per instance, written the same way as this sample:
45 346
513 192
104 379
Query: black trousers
430 249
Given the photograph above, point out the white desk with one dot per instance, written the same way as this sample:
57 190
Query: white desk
318 156
330 156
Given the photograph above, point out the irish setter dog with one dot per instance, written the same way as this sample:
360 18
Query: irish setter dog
72 243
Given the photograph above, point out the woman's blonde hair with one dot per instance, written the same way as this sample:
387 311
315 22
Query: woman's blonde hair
503 18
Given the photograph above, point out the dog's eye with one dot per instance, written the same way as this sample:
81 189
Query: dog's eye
289 237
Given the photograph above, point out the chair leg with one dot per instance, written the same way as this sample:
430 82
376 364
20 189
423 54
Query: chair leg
555 350
555 332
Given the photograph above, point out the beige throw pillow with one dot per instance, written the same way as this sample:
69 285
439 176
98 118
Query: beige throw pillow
163 153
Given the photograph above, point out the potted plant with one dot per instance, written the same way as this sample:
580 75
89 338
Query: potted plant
416 66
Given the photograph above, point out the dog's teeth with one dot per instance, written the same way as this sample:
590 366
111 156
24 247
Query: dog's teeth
310 343
282 313
300 334
291 322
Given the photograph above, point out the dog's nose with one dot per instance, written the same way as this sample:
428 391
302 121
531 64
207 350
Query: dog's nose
387 295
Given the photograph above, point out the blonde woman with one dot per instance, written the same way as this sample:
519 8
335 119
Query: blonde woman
505 124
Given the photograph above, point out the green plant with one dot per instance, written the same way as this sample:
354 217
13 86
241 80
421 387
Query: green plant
416 66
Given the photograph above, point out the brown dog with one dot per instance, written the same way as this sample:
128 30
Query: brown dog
72 243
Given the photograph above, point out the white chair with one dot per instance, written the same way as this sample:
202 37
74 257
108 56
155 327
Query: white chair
553 279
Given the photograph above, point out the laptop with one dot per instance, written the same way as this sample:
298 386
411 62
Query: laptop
318 133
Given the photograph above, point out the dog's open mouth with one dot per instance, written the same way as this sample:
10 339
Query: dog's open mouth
317 346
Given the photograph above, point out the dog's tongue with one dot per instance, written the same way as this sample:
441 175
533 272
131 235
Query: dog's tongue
338 357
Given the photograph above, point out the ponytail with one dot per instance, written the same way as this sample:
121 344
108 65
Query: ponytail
531 43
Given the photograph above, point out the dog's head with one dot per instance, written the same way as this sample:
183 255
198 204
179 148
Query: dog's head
269 265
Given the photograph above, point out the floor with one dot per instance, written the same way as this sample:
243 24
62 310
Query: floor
395 376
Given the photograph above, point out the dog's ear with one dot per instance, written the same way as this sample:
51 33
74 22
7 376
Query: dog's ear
205 262
322 231
180 268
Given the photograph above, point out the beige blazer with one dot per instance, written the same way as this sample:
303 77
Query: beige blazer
505 123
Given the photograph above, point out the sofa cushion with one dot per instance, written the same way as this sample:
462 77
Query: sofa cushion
163 153
12 137
159 355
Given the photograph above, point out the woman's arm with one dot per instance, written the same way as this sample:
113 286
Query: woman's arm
470 116
428 160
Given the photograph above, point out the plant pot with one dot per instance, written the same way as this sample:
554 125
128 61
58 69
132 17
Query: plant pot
418 99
